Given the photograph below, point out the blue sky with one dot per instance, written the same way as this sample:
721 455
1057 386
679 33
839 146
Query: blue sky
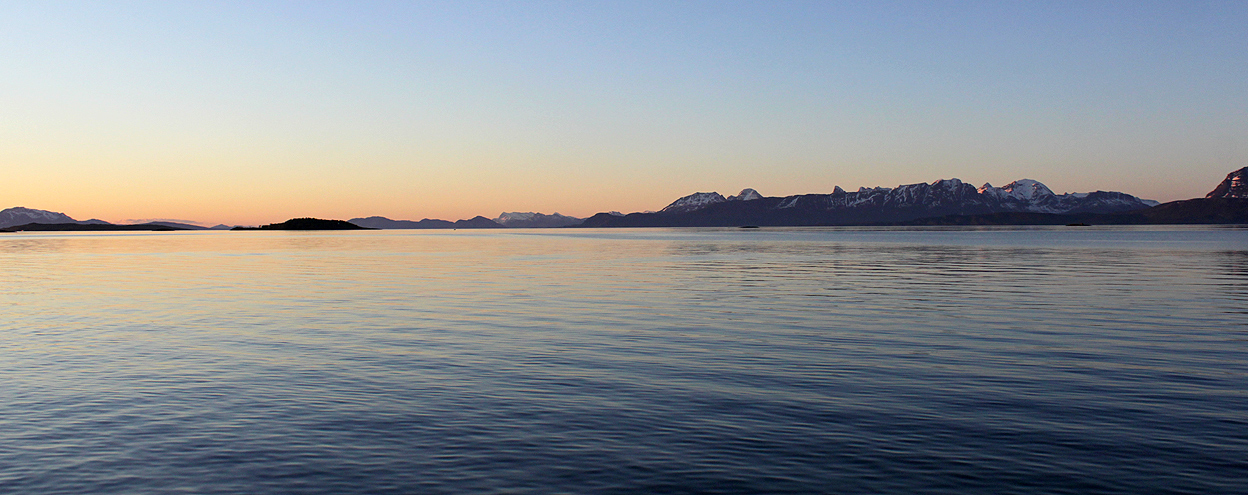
251 112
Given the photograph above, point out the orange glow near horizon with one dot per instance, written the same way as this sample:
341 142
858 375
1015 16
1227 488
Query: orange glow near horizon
255 114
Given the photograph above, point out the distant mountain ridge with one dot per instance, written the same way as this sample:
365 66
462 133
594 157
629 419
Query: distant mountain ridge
179 225
943 202
877 205
31 219
87 227
504 220
530 220
477 222
12 217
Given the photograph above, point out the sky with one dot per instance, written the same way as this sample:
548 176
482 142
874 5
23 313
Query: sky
255 112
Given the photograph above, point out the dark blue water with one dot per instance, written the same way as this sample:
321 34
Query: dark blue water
1045 360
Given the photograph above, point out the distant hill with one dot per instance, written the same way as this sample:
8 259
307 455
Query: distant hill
386 223
478 222
307 224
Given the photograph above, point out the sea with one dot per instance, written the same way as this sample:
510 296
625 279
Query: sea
1039 360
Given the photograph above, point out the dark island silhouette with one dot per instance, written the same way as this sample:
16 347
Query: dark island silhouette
308 224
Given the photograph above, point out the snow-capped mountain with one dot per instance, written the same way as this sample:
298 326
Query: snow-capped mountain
1024 195
1032 196
1234 186
695 201
746 194
535 220
21 216
877 205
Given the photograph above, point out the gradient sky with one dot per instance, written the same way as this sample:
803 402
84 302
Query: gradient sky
255 112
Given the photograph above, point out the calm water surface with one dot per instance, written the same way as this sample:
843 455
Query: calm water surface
1047 360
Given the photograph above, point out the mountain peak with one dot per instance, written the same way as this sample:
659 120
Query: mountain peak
1235 185
746 194
513 216
1027 189
695 201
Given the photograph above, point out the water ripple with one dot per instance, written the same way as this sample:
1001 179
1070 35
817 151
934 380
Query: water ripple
1038 360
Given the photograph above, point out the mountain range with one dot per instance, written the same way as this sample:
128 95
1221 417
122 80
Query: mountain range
873 206
20 216
530 220
1226 204
943 202
31 219
504 220
477 222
